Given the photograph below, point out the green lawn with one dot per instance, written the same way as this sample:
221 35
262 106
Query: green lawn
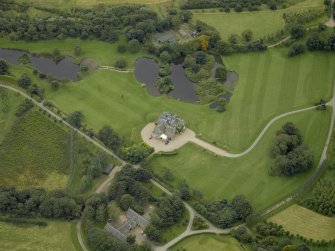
34 153
176 229
270 84
219 178
293 219
208 242
262 22
103 52
57 236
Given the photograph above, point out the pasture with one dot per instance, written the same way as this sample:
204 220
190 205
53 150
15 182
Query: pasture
208 242
299 220
261 22
269 84
34 152
57 236
218 177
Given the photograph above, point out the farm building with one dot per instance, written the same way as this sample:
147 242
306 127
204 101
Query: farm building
108 169
167 126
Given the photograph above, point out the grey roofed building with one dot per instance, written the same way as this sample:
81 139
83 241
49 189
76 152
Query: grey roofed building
167 36
168 124
108 169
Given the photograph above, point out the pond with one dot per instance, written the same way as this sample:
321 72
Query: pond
64 69
147 72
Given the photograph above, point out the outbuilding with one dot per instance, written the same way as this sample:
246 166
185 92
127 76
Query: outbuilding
108 169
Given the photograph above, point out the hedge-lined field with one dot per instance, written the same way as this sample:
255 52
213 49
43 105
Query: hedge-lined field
299 220
35 152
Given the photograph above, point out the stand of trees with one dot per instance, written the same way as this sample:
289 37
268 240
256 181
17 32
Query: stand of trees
321 42
290 155
224 213
37 202
25 106
322 198
170 210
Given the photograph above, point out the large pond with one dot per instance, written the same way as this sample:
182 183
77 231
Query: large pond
64 69
147 72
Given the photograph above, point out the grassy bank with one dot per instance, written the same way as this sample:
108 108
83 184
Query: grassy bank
219 178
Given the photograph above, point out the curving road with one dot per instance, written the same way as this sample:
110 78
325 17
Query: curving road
190 136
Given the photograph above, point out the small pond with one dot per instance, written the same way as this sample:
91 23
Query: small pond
64 69
147 71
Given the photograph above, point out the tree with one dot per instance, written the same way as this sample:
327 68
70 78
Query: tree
77 51
126 202
165 85
24 81
204 42
3 67
315 43
221 73
241 206
121 48
247 35
75 119
201 58
109 137
131 239
153 233
55 85
134 45
233 39
297 31
165 57
184 190
121 62
296 49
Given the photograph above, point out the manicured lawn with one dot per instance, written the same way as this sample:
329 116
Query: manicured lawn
262 22
34 153
219 178
57 236
305 222
208 242
104 53
270 84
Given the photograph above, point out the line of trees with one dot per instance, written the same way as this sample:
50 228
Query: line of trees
38 202
237 5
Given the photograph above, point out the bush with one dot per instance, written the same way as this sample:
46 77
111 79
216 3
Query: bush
296 49
221 73
24 81
134 45
136 153
121 63
121 48
75 119
25 106
109 137
3 67
164 85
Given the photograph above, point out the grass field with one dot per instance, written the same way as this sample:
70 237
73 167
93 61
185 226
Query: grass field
176 229
208 242
57 236
219 178
266 78
104 53
260 22
311 225
34 153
